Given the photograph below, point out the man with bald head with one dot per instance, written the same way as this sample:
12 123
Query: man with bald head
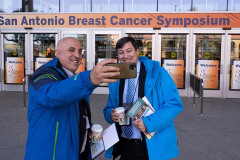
58 109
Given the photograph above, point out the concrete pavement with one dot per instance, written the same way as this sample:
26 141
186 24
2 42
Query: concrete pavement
213 136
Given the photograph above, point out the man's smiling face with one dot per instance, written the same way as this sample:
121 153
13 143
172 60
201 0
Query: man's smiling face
69 53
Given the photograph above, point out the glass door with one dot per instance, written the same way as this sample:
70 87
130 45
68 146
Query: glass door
174 57
232 60
104 48
13 61
42 49
145 43
208 62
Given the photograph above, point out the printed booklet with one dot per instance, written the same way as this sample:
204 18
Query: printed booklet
141 108
110 137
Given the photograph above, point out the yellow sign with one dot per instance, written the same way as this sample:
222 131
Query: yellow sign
207 55
14 53
173 55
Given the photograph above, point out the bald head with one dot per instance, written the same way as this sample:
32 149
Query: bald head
65 40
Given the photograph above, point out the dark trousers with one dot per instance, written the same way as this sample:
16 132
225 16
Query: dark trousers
131 149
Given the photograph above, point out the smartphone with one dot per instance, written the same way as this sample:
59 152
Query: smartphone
127 70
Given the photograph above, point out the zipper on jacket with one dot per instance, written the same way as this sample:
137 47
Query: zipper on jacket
55 143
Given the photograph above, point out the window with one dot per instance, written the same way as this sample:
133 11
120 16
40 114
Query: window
105 45
14 53
107 5
174 5
10 6
233 5
75 6
46 6
140 6
210 5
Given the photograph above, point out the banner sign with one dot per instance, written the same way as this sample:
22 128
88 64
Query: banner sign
208 71
41 61
14 70
121 20
235 76
176 70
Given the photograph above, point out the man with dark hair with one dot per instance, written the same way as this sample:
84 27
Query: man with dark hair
155 83
58 109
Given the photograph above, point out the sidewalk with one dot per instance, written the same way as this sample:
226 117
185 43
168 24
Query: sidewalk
213 136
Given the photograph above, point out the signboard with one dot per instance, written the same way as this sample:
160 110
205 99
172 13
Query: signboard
41 61
120 20
208 71
14 70
176 70
81 68
235 75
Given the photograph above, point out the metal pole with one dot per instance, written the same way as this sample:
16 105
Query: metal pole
201 86
24 93
194 77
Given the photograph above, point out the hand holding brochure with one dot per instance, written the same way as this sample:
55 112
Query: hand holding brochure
110 137
141 108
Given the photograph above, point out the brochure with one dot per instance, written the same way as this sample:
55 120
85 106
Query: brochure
110 137
141 108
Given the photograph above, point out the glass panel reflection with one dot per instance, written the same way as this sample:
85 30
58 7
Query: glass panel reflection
235 63
14 53
105 45
107 5
140 6
46 6
174 5
145 44
210 5
75 6
208 60
43 48
83 39
10 6
173 57
233 5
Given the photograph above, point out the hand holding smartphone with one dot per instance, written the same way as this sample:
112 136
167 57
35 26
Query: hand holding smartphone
127 70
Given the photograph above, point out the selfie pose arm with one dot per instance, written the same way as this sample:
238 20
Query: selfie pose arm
46 83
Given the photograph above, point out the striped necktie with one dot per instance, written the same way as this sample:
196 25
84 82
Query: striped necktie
128 130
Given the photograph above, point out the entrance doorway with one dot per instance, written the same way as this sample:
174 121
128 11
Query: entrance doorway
24 52
232 61
208 49
174 56
104 44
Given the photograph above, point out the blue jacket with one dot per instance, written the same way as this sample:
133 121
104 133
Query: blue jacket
162 93
53 127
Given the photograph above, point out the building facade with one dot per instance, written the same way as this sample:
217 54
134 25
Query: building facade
185 36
